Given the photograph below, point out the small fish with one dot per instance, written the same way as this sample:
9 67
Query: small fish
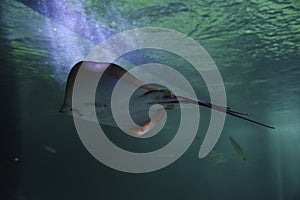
217 157
238 150
143 98
49 149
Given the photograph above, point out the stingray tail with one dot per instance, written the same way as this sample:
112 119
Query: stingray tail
222 109
165 97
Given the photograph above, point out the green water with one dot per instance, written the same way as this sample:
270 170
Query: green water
256 46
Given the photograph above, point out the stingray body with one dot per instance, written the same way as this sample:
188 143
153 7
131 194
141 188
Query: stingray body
140 102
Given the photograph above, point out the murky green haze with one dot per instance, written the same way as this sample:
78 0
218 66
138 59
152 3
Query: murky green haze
256 46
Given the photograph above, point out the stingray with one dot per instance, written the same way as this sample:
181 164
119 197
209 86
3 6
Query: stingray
141 100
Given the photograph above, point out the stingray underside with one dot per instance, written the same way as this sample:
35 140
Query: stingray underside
139 105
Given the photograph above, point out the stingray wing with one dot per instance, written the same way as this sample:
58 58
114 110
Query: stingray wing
147 124
112 73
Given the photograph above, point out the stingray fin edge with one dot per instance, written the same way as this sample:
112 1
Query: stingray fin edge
148 125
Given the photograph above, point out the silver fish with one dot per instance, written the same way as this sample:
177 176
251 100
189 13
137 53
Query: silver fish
49 149
238 150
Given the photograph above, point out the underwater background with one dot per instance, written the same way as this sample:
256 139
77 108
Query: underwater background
256 46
